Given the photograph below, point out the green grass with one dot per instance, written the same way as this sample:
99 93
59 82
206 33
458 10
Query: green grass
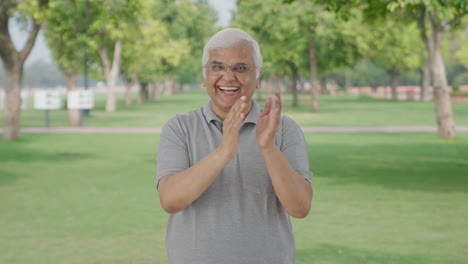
335 111
379 198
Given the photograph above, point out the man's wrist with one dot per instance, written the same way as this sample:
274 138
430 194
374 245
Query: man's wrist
268 148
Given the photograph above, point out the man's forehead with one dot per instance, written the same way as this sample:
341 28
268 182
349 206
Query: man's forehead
239 53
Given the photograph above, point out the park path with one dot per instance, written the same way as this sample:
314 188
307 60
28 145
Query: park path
119 130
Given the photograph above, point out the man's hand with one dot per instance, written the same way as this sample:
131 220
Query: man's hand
231 126
268 121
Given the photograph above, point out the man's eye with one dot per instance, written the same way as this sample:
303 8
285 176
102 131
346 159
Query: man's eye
217 67
240 68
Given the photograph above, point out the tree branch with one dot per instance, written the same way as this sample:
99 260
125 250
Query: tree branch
422 23
23 54
7 48
105 60
456 19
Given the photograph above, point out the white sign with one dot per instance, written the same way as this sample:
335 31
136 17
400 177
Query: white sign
24 100
47 100
80 99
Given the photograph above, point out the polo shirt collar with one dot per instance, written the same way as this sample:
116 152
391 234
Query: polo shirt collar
252 117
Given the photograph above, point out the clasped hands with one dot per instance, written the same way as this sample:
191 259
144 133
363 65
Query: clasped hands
267 124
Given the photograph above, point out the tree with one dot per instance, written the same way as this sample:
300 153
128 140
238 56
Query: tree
109 22
396 48
333 43
192 23
303 35
273 25
65 30
140 63
31 13
434 19
171 38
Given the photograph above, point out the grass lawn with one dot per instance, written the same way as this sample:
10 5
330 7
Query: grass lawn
335 111
379 198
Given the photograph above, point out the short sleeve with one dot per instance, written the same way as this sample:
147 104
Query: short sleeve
294 147
172 156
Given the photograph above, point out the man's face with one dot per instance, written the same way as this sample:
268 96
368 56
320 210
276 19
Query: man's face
225 87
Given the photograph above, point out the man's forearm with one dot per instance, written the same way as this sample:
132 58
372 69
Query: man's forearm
177 191
292 189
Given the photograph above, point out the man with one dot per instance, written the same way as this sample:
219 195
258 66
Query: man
229 174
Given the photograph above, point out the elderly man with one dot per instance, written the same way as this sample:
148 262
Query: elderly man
230 174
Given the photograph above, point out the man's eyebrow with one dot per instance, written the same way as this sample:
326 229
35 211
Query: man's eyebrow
239 63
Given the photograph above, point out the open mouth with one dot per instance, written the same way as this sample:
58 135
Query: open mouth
228 90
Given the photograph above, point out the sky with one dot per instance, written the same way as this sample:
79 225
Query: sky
41 52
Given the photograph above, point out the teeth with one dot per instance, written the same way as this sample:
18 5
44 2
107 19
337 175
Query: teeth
228 88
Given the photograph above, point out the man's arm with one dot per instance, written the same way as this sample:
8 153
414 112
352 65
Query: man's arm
179 190
291 188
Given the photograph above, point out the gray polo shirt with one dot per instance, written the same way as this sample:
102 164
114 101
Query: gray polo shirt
238 219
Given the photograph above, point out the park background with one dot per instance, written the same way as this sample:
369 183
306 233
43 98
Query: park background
85 193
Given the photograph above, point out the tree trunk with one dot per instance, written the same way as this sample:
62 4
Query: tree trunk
12 108
156 91
443 105
393 79
168 87
111 71
178 87
13 62
425 82
315 87
293 82
348 79
73 114
323 87
128 95
128 90
143 93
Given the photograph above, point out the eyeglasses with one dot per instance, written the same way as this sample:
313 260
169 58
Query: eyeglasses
221 68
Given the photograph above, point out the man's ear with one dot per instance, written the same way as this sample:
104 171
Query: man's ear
258 79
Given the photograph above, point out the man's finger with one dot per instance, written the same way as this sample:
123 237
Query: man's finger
267 107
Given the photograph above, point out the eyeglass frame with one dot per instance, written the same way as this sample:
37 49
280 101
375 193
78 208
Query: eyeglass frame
220 72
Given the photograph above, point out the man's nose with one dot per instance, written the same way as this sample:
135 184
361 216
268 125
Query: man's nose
229 74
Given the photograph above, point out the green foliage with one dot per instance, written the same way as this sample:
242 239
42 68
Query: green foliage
168 40
365 73
65 32
448 14
460 41
32 9
396 46
276 27
76 28
190 24
445 15
285 32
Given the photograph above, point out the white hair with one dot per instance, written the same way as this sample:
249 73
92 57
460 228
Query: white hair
230 37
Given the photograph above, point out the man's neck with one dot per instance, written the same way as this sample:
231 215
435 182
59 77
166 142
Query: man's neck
222 115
